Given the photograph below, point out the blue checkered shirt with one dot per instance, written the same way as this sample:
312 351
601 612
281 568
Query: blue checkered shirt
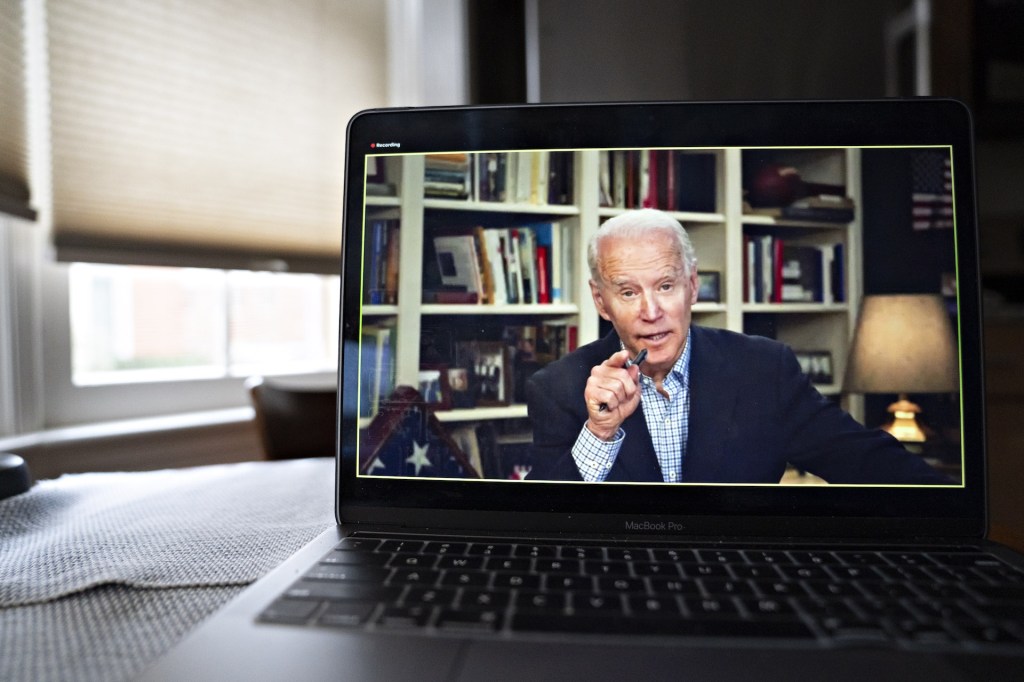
668 421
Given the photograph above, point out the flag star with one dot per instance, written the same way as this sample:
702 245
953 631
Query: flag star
377 464
418 458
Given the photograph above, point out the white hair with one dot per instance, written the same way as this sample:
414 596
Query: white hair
634 224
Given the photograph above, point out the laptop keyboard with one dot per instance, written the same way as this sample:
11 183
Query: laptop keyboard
914 599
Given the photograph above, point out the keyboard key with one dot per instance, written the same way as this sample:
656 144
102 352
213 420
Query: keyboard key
517 580
570 566
620 584
721 556
347 573
356 557
767 607
548 622
472 620
466 579
499 564
596 604
461 563
415 576
485 599
606 568
289 611
413 616
445 548
396 546
570 583
335 591
762 556
489 550
356 543
581 553
753 571
404 560
705 570
999 592
674 586
661 569
616 554
988 634
720 587
711 606
536 551
675 555
832 588
430 595
346 614
661 607
541 601
778 588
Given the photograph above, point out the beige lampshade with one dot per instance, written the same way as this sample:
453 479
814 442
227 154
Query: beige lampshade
903 343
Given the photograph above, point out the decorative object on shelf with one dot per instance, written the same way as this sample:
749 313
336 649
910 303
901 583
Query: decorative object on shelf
816 364
709 289
903 344
489 371
406 439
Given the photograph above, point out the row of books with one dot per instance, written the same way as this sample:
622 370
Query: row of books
668 179
778 271
823 208
380 266
377 366
534 177
498 265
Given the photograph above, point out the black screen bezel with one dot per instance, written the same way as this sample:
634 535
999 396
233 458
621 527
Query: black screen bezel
692 509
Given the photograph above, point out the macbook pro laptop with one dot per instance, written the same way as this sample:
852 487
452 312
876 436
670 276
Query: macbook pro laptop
471 545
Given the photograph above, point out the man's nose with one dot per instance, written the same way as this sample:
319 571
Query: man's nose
649 308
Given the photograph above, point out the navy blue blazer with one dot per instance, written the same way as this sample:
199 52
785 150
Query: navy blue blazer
752 411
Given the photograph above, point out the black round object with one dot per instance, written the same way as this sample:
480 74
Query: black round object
14 475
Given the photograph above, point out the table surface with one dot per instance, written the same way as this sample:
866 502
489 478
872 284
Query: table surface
100 574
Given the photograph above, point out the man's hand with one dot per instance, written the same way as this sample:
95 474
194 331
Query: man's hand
612 394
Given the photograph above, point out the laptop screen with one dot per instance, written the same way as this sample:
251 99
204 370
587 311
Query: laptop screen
691 307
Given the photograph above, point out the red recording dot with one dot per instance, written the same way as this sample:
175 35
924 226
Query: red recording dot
373 145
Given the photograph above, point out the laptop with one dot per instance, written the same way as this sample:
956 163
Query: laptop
469 546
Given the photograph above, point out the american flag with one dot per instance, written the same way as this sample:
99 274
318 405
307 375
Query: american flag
932 187
406 439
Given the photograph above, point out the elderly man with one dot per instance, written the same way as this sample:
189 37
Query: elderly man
705 405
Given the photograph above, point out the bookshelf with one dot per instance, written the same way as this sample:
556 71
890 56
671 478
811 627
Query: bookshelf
722 223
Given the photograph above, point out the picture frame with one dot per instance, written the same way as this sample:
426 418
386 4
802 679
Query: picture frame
817 365
709 287
488 371
435 387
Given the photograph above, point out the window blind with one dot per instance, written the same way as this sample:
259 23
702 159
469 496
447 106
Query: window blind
207 133
14 185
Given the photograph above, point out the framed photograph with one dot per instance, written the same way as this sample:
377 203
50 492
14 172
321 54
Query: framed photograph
434 387
488 371
709 289
816 364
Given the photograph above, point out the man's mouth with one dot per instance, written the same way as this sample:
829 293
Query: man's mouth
655 338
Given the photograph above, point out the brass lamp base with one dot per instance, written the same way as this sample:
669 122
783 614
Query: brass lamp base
904 426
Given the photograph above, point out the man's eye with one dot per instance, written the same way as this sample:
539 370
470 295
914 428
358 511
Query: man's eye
667 286
627 293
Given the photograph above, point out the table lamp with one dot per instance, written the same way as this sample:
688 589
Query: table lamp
903 344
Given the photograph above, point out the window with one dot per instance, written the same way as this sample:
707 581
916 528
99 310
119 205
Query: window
132 324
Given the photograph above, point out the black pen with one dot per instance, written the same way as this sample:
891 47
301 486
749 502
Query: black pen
640 357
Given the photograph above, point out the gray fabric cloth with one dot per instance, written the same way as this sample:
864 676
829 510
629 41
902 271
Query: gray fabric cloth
105 634
102 573
216 525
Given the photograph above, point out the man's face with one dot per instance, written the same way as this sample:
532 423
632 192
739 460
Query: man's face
646 295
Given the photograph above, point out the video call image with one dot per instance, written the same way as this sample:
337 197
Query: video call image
712 316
